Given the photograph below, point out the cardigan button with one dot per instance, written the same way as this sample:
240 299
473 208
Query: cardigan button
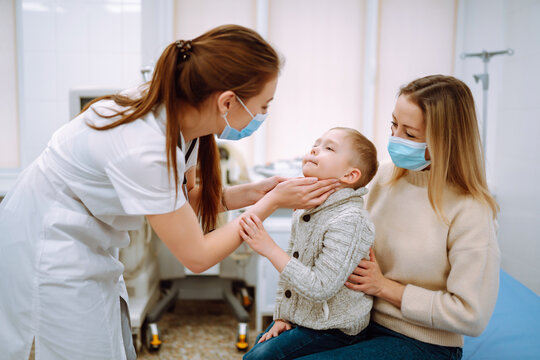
295 254
306 217
288 293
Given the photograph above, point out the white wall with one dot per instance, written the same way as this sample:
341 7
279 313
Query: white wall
71 44
513 120
321 85
9 134
416 39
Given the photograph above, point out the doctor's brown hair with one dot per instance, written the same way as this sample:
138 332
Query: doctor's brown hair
452 138
229 57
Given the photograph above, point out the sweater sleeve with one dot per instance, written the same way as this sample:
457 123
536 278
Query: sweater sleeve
472 283
280 290
346 241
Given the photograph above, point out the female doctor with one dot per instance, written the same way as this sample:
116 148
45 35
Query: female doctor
125 157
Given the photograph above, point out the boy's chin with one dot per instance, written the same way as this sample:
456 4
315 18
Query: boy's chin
308 173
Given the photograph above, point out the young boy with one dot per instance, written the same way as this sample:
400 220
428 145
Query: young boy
314 310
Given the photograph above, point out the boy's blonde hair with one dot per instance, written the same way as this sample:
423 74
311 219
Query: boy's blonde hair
452 137
364 156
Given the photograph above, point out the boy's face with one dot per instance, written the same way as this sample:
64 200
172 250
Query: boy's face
329 157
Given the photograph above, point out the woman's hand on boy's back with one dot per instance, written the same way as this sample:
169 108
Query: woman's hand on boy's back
276 329
254 234
368 278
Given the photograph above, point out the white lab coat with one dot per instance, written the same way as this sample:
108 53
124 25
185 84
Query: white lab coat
60 230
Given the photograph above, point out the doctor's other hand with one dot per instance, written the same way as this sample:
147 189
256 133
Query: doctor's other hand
367 276
303 192
253 233
276 329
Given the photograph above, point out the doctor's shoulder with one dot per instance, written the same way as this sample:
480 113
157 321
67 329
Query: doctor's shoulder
142 139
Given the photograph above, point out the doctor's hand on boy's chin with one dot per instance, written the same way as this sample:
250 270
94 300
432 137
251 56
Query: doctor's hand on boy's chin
253 233
302 192
276 329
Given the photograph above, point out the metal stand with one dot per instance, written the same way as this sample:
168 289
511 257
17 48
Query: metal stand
151 334
484 78
242 317
150 329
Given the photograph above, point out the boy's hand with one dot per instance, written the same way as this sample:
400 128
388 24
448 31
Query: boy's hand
253 232
278 327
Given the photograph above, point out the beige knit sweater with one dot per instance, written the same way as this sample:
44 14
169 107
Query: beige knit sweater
451 272
326 244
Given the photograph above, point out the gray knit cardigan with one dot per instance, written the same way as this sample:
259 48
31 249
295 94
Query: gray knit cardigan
326 244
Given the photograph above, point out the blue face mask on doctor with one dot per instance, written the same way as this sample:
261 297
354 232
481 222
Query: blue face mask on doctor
408 154
230 133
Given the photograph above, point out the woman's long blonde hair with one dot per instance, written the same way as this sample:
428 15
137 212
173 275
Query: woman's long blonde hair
453 139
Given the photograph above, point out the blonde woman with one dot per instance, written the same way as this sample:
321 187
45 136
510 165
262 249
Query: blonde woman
435 274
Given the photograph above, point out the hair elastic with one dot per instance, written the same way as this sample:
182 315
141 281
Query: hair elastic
185 48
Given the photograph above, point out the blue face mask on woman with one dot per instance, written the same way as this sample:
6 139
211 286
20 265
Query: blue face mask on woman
408 154
230 133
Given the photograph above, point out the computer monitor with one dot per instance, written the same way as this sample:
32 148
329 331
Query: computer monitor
78 98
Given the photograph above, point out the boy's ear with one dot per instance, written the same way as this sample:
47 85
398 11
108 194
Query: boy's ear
352 176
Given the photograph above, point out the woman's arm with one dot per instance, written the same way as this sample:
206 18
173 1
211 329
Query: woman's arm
467 303
182 234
